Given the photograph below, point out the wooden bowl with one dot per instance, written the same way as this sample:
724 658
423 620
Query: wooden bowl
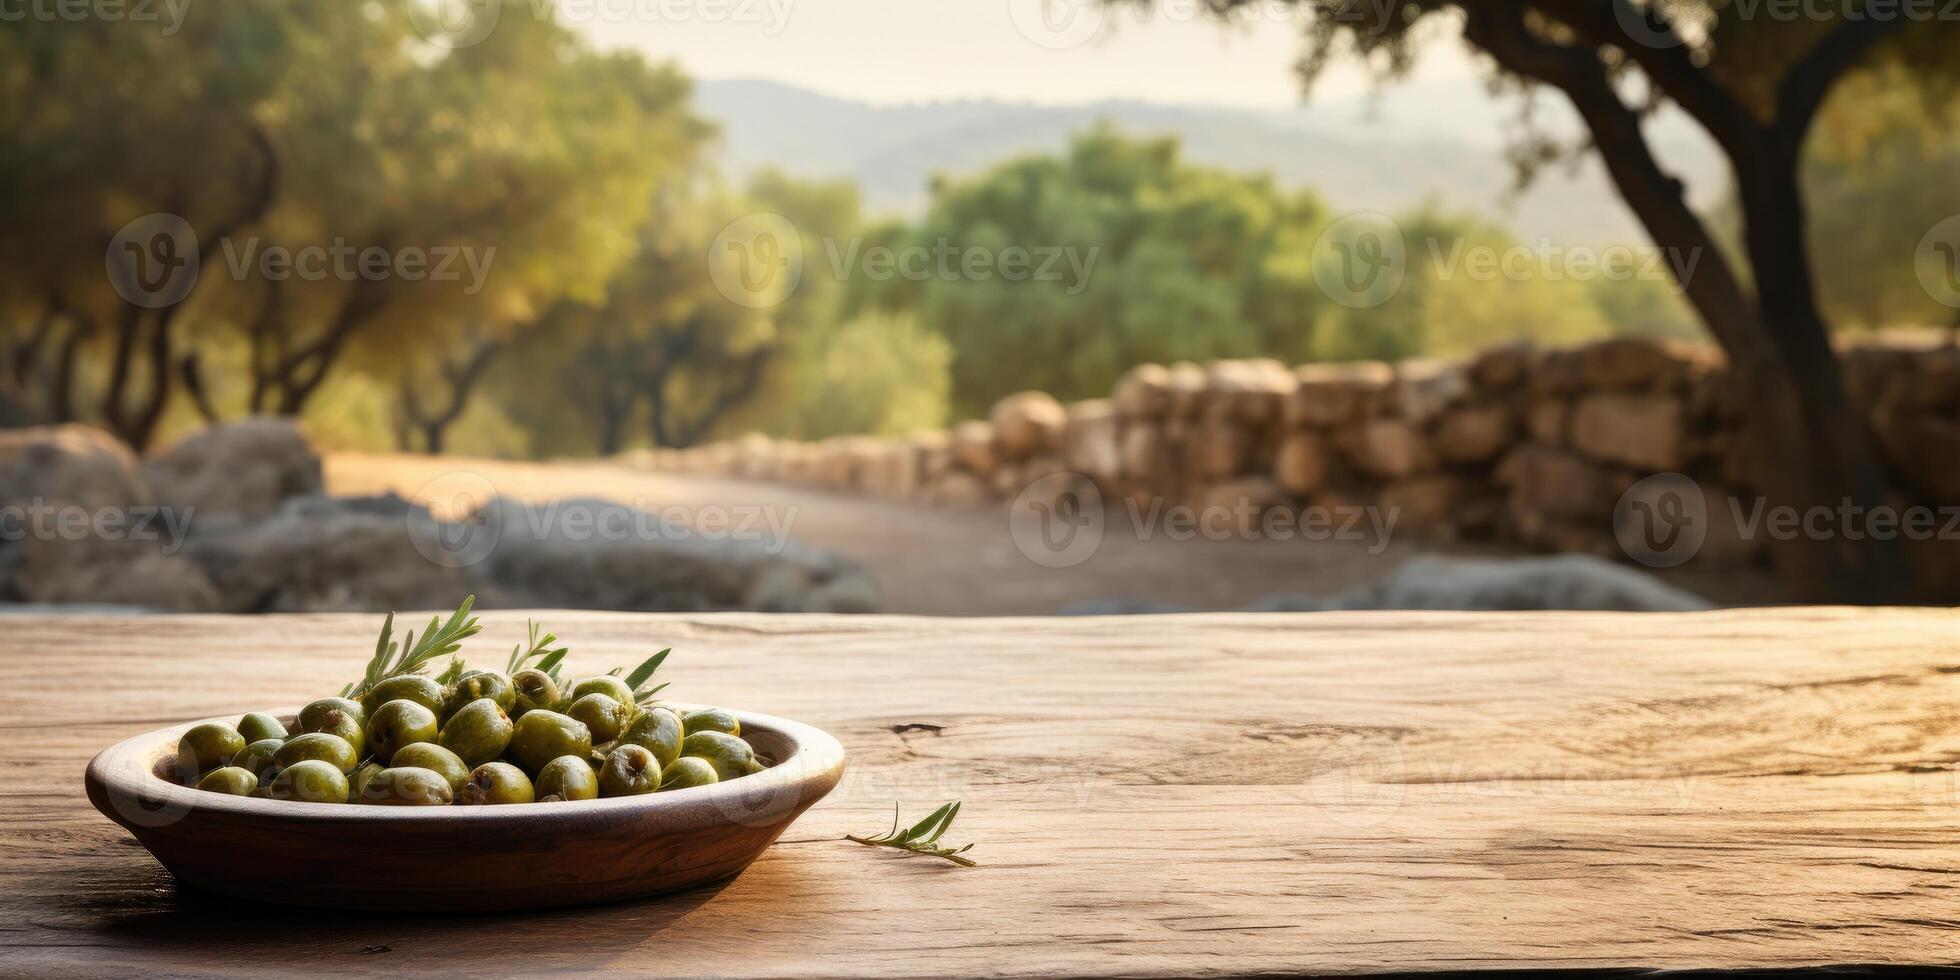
463 858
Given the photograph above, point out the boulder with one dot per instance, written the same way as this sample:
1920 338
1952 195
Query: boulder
1335 394
1145 457
242 469
973 447
1559 582
1301 464
597 554
1475 433
1220 447
1546 420
1090 442
1503 368
1388 448
1028 423
1639 430
68 464
338 554
1545 481
132 577
960 489
1423 388
1252 392
1144 392
1188 384
1632 363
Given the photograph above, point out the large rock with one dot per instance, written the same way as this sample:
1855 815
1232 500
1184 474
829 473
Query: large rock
1090 445
68 464
1252 392
1423 388
1633 363
1546 481
1503 368
596 554
1387 448
973 447
240 469
1144 392
1335 394
1027 424
1301 464
1220 447
339 554
1639 430
1475 433
1561 582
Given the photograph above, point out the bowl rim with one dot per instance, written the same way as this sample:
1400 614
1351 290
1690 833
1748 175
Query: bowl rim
124 774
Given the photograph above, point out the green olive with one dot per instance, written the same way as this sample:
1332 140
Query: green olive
535 689
230 780
711 720
730 756
541 736
336 721
630 770
357 783
609 685
687 771
496 782
405 687
600 713
568 777
331 749
309 781
435 758
407 786
206 747
477 684
259 726
398 723
257 758
311 714
660 731
479 732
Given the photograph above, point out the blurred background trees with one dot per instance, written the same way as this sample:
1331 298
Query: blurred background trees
585 184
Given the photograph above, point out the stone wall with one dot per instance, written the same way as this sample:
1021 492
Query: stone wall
1516 445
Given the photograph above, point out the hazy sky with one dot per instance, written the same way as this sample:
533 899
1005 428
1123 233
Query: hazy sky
1049 51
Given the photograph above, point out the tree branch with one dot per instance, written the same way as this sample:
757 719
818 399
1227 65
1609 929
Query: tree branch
1803 90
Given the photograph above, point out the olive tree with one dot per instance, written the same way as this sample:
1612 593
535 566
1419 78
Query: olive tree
1754 79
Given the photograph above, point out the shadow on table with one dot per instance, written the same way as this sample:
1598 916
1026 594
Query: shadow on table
186 917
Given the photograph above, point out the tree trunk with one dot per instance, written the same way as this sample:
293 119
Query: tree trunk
1822 451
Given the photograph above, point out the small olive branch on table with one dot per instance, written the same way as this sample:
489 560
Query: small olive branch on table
441 639
923 837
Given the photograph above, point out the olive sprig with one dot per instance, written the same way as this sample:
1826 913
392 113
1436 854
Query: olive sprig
923 837
636 681
441 639
540 648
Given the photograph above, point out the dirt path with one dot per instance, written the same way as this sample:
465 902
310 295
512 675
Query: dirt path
955 561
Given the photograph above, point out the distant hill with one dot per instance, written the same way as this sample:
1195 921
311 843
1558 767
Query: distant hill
1442 144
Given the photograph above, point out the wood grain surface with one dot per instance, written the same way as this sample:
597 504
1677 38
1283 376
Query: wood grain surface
1183 795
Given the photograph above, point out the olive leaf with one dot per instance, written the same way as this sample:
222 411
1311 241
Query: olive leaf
452 673
440 639
643 673
923 837
541 648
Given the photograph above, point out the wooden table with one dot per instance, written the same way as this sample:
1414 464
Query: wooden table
1198 794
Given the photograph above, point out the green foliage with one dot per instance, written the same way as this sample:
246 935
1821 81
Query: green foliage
440 639
875 373
923 837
